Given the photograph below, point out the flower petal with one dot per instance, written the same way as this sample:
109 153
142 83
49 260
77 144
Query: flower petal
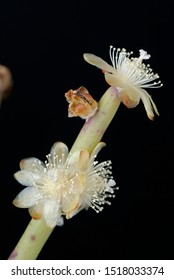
126 100
96 150
36 211
60 222
83 159
73 162
70 203
72 213
128 94
26 178
51 213
32 164
149 105
27 198
98 62
59 149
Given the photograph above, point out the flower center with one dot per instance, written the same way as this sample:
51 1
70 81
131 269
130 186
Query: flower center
133 68
57 181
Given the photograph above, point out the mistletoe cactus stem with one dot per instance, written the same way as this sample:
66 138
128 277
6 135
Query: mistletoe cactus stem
32 241
37 232
94 128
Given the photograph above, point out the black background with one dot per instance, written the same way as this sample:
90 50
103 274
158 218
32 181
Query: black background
43 45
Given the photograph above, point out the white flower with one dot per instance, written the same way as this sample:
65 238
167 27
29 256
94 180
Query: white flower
130 75
64 184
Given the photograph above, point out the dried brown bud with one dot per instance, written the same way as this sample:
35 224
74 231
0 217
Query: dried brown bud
81 103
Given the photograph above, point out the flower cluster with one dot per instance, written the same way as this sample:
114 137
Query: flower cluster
65 184
130 75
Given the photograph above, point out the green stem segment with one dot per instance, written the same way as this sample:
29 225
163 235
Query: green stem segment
93 130
32 241
37 232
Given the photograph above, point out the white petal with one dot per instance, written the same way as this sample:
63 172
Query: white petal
148 104
73 162
27 198
60 222
26 178
71 202
98 62
69 215
153 104
83 159
32 164
51 212
128 94
59 149
114 80
126 98
98 148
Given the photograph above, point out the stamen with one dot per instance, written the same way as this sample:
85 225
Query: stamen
133 68
112 55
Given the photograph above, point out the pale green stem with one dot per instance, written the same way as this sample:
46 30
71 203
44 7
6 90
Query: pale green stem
32 241
93 130
37 232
